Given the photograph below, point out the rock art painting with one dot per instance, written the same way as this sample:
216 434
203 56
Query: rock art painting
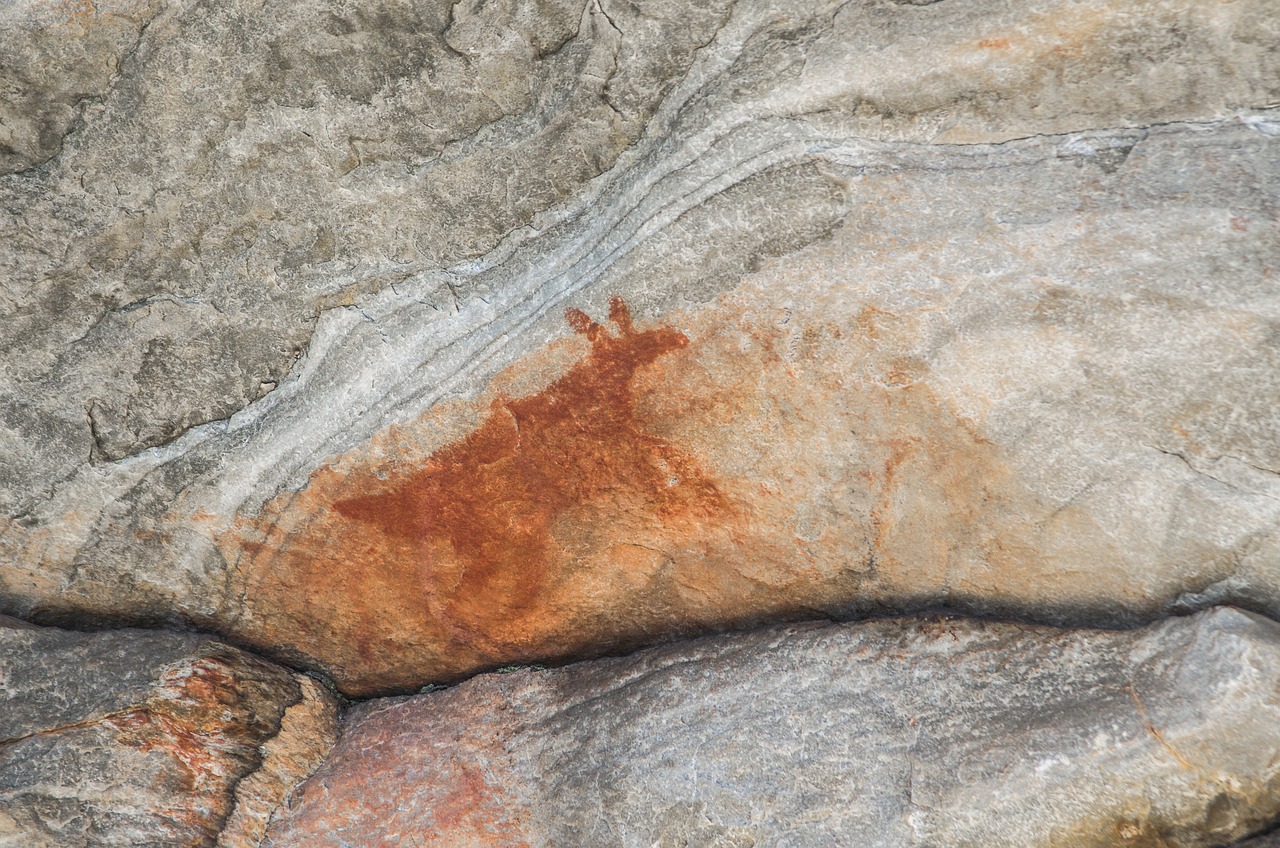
647 489
159 742
382 347
494 496
470 536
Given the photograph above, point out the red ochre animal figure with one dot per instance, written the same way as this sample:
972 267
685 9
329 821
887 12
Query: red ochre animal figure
495 495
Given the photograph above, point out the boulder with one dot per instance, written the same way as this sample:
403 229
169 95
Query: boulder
130 738
899 732
415 340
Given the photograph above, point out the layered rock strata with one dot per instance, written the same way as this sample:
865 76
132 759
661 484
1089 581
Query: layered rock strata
886 733
133 738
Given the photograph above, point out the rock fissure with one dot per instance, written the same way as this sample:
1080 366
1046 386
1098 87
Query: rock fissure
1219 478
1154 731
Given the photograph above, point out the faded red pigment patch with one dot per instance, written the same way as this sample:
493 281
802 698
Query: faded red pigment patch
494 495
457 784
201 729
472 811
199 718
394 574
778 462
191 748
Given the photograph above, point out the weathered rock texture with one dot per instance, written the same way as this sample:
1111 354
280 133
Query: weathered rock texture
886 733
414 339
132 738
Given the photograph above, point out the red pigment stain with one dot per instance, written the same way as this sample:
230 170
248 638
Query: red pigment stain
192 720
471 808
495 495
190 747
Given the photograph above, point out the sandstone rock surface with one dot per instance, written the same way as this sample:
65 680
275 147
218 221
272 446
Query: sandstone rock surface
886 733
132 738
413 340
406 339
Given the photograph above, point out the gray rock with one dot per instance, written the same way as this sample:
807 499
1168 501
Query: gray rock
896 733
132 738
56 59
250 165
414 339
978 301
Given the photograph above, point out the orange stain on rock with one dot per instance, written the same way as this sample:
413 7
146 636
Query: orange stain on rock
200 728
455 559
470 811
150 730
457 786
494 496
195 720
775 463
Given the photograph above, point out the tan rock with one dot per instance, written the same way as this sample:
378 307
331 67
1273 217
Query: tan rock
307 732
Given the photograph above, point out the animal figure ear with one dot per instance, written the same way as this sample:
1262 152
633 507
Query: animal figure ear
582 323
621 315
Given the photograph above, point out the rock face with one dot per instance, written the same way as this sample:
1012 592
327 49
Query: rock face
886 733
133 738
1270 840
409 341
401 340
